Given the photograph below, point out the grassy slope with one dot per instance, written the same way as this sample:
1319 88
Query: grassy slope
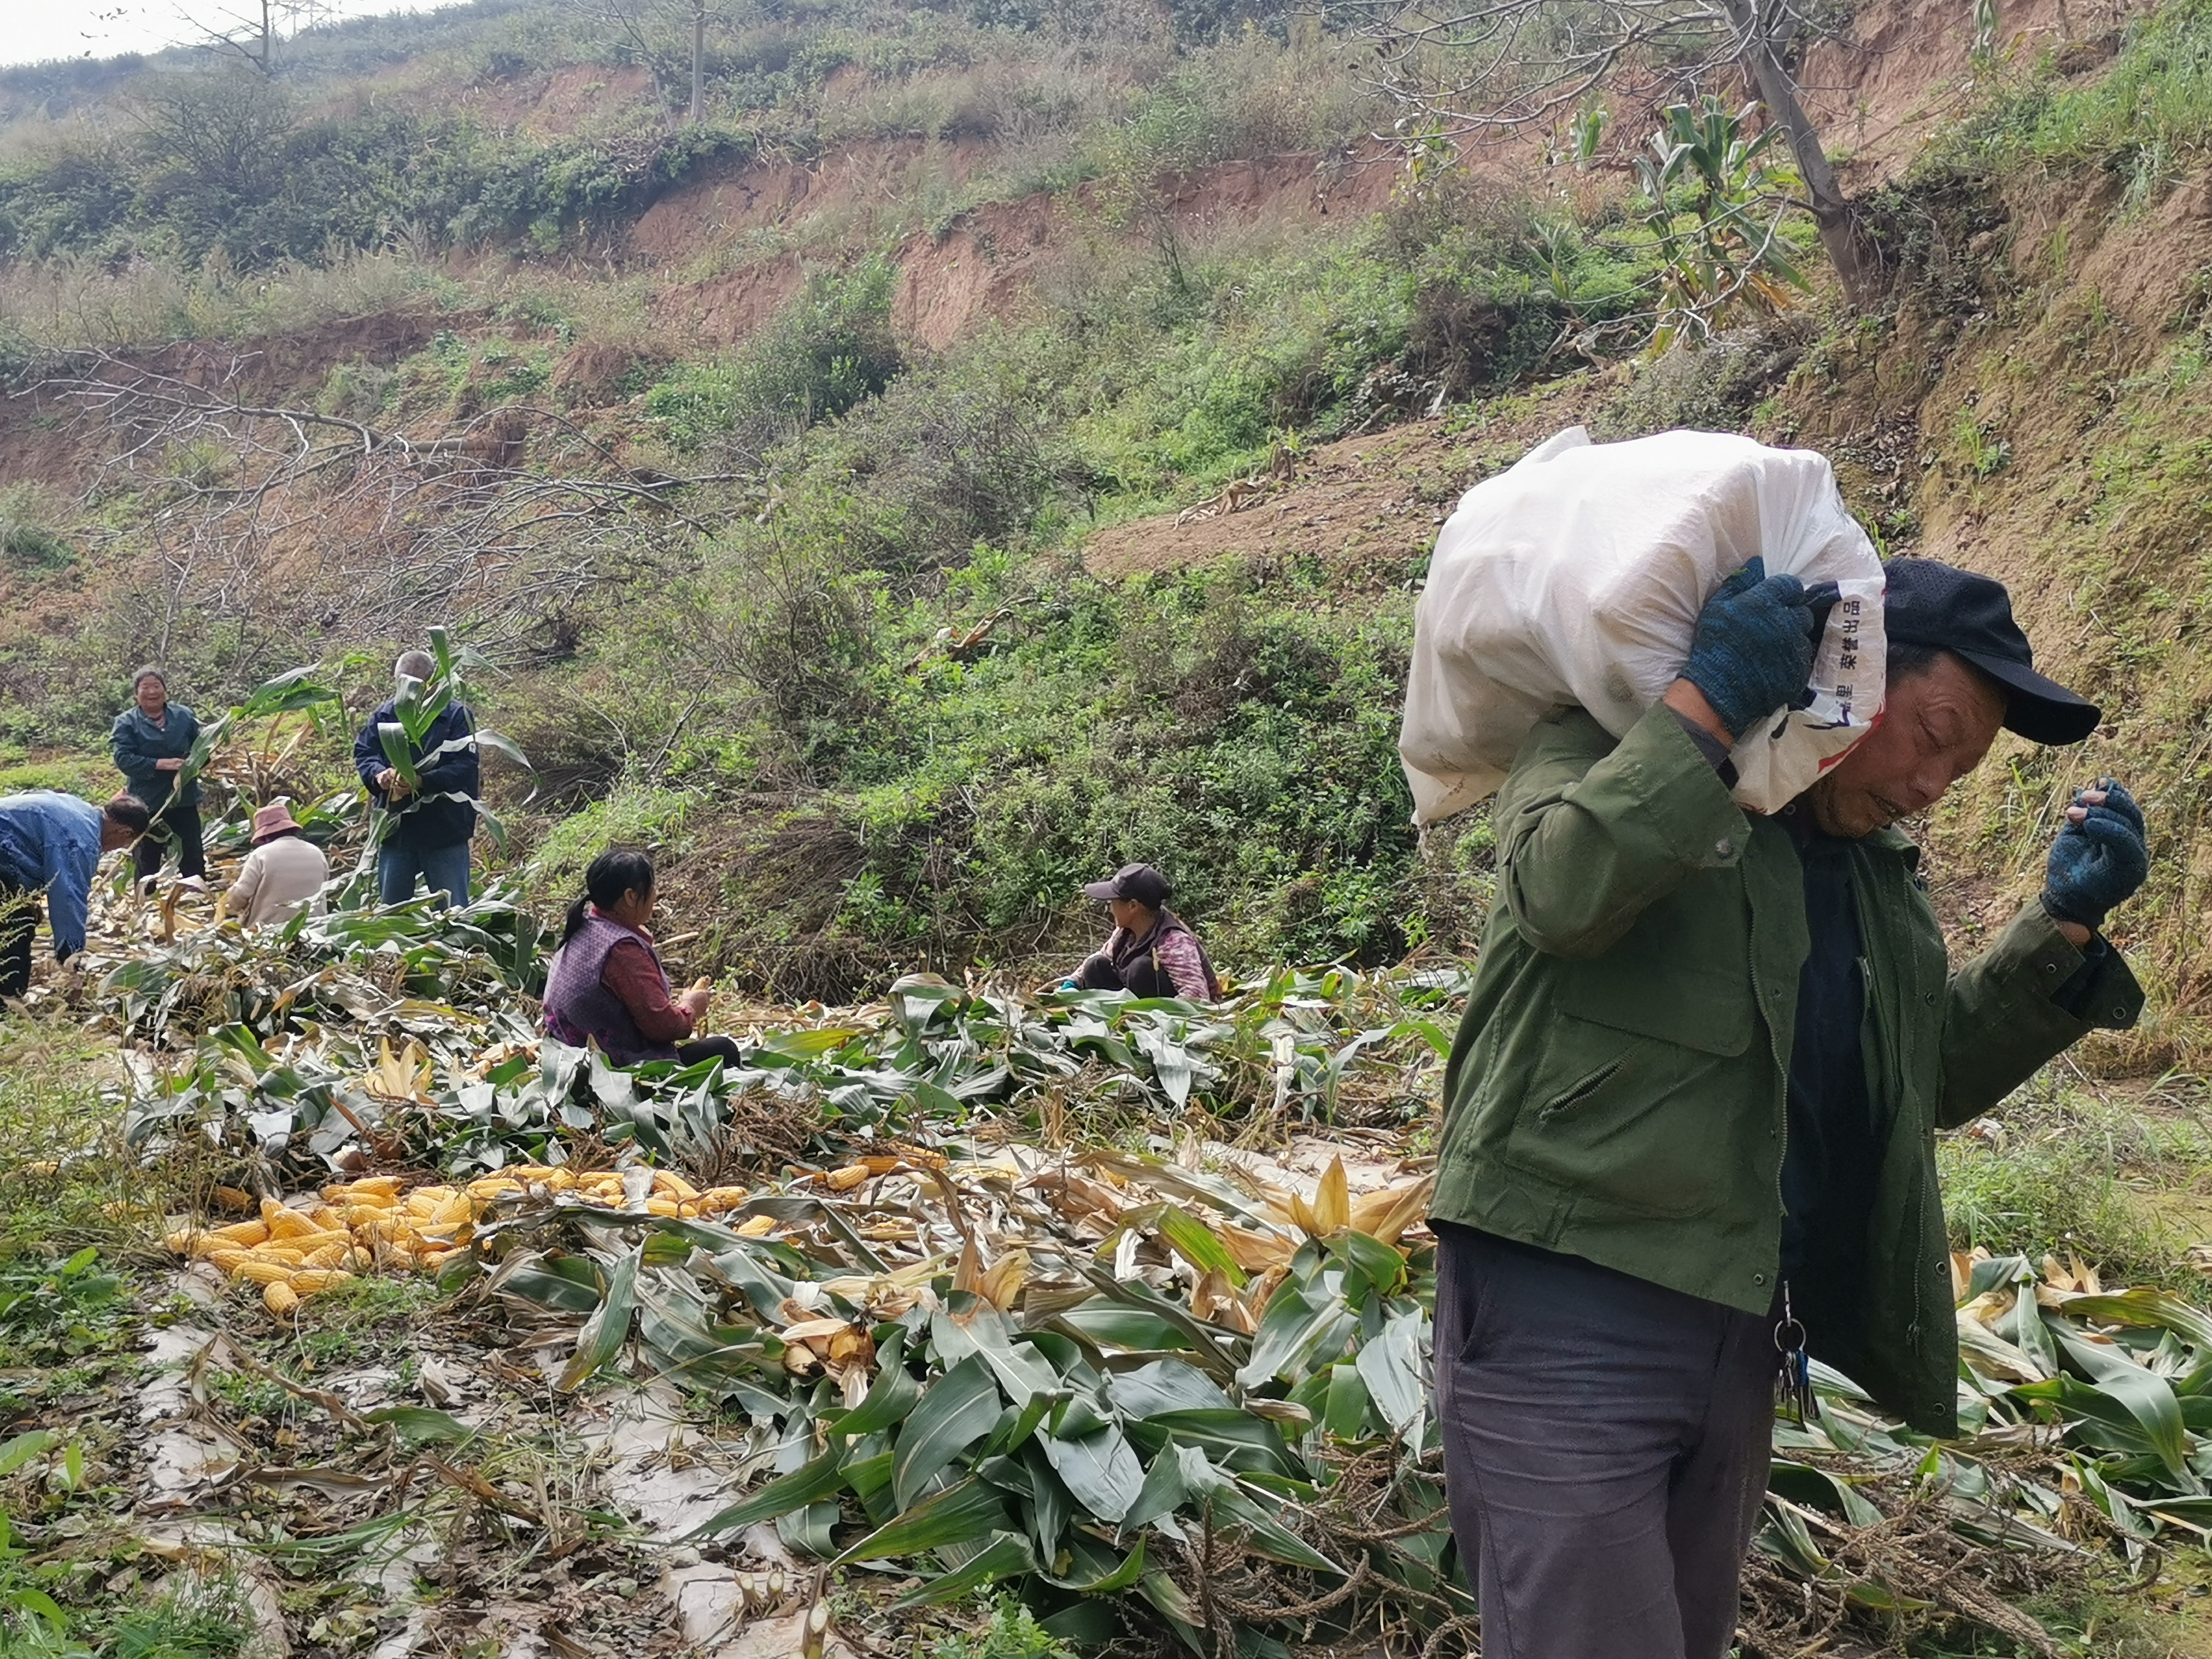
1244 717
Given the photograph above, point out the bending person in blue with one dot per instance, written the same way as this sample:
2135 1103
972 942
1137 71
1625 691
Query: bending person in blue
51 844
430 835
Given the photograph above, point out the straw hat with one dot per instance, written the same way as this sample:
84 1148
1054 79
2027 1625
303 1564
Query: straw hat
272 821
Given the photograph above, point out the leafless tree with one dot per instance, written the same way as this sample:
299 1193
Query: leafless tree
253 35
1474 67
299 527
646 25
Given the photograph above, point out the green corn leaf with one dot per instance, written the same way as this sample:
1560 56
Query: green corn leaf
1163 1493
1112 1581
1302 1326
968 1513
502 746
1346 1414
2148 1397
607 1330
956 1411
1100 1470
1196 1242
1004 1554
398 752
1234 1437
1167 1597
891 1397
2160 1310
421 1425
809 1484
972 1325
24 1447
1391 1365
37 1602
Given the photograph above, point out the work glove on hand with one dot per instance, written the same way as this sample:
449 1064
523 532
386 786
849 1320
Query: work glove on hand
1754 647
2099 859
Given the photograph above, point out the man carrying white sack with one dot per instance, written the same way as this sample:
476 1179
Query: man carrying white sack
1691 1112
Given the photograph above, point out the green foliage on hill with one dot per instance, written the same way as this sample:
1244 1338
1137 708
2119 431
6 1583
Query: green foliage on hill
224 161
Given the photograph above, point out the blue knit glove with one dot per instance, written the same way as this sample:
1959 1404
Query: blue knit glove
2097 862
1754 647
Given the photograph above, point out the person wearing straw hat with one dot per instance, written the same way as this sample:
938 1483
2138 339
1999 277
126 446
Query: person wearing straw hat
283 875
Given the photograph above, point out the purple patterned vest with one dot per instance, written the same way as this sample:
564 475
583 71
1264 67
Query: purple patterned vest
577 1006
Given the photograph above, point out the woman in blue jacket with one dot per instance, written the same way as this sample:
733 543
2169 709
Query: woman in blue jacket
151 740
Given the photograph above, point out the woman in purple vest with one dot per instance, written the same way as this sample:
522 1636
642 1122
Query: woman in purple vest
606 984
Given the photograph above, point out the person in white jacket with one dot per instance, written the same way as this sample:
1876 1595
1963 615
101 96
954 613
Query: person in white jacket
283 875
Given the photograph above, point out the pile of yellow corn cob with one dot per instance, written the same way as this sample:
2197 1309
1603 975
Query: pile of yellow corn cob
375 1223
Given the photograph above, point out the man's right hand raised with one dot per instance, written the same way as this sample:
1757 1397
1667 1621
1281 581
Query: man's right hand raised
1753 650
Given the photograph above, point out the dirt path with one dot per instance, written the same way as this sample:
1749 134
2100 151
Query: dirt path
1369 502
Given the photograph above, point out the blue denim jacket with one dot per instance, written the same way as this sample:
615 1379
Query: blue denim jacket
53 842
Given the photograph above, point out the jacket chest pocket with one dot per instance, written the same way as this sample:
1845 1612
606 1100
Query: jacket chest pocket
1640 1098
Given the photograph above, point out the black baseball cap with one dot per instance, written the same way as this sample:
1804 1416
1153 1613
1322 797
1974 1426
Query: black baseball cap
1139 882
1933 603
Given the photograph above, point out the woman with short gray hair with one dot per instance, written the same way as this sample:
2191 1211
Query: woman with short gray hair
151 741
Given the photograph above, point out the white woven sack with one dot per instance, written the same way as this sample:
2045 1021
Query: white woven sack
1577 577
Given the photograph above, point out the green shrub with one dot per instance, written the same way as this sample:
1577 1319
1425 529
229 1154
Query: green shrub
829 348
2146 118
1013 1633
28 539
632 814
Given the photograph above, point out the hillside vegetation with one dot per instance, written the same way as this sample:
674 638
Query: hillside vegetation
927 298
995 443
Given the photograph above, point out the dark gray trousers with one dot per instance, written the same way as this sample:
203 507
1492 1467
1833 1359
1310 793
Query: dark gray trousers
1606 1449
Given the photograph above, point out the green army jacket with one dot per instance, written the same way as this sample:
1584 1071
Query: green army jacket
1617 1090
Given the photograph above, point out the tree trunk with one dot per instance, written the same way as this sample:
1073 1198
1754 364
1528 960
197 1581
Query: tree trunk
698 62
1831 212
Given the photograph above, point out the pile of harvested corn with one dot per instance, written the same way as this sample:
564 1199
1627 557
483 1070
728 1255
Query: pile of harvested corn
375 1223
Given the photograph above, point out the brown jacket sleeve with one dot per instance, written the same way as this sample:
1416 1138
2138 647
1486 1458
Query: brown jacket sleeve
630 973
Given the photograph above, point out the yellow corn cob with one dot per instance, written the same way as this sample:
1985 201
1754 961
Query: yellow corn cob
289 1224
280 1298
262 1270
308 1280
243 1233
227 1258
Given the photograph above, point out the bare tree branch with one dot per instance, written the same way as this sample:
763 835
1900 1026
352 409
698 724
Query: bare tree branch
297 526
1486 67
